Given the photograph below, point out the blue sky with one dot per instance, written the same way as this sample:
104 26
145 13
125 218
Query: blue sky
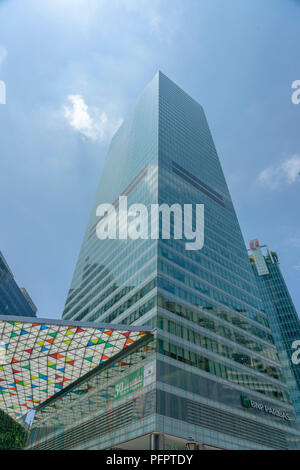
73 68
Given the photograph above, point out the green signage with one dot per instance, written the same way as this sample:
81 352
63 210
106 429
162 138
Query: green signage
129 383
245 401
249 403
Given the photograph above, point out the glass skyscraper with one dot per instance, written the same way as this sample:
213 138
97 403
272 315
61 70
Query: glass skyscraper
218 377
282 315
13 299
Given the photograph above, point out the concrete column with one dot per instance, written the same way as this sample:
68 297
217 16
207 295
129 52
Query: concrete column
155 441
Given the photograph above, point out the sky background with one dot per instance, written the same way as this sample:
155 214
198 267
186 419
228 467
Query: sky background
74 68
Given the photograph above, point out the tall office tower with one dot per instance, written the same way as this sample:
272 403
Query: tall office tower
13 299
282 315
218 377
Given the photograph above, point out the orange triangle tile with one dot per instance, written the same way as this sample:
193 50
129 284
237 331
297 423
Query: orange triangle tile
129 341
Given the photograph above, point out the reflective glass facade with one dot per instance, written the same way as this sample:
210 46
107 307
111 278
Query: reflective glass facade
283 318
211 326
13 299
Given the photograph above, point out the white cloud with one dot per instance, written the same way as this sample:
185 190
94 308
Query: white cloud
73 12
286 172
76 12
92 123
155 21
291 168
3 54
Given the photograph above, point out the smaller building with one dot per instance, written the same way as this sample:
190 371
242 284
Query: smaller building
13 299
283 318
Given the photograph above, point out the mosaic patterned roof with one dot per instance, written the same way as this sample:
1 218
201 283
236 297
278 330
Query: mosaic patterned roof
40 358
96 392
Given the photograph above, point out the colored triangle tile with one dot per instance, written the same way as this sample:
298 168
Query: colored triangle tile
50 364
129 341
53 334
69 333
109 332
56 356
